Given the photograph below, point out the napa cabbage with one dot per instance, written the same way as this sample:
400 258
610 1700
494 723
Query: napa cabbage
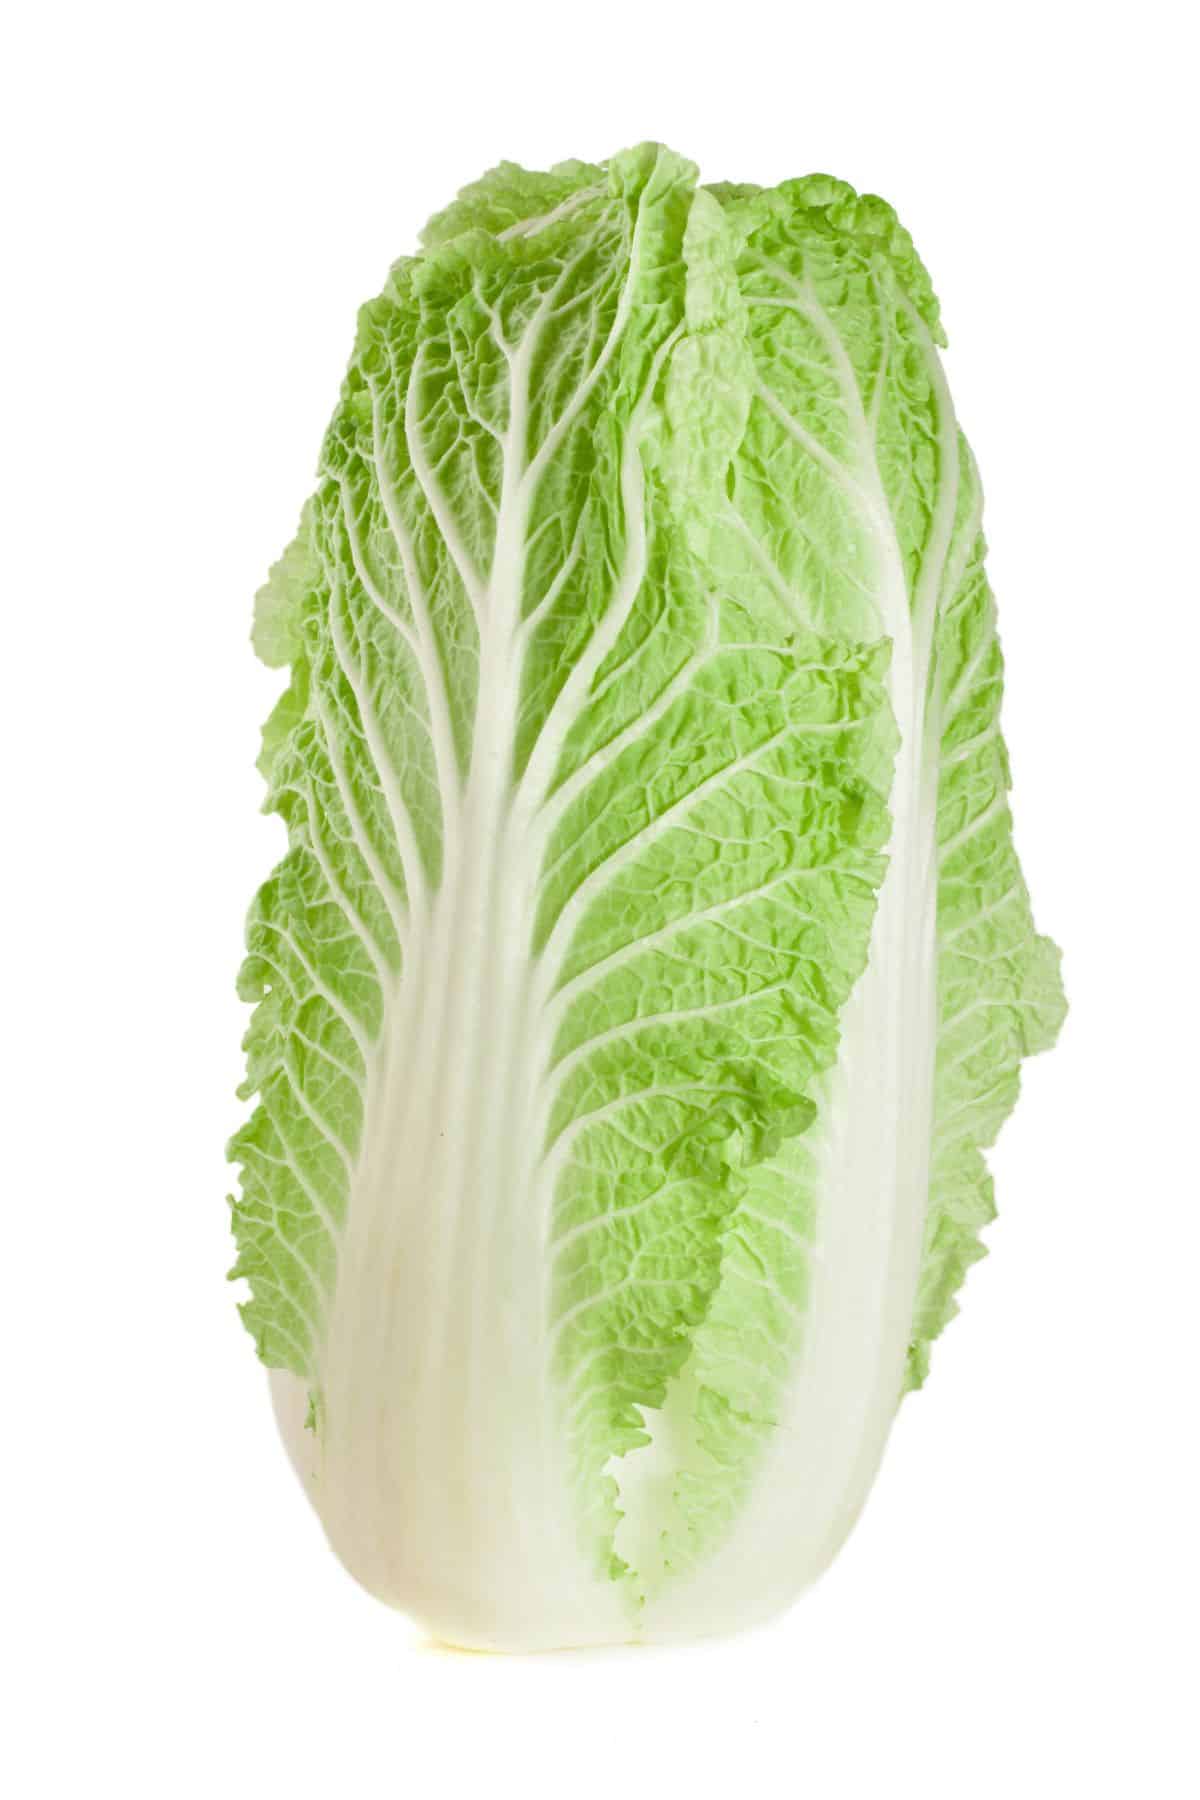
650 965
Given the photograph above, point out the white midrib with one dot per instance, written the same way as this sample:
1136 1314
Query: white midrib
460 1491
872 1138
895 1004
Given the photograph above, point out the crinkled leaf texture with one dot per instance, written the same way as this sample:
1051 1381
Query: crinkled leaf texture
650 964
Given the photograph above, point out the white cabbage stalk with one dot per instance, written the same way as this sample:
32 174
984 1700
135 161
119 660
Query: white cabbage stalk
650 963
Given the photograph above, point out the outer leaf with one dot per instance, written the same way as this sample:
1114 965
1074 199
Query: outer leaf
1000 994
852 497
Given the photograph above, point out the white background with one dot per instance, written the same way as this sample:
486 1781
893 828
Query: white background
197 199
